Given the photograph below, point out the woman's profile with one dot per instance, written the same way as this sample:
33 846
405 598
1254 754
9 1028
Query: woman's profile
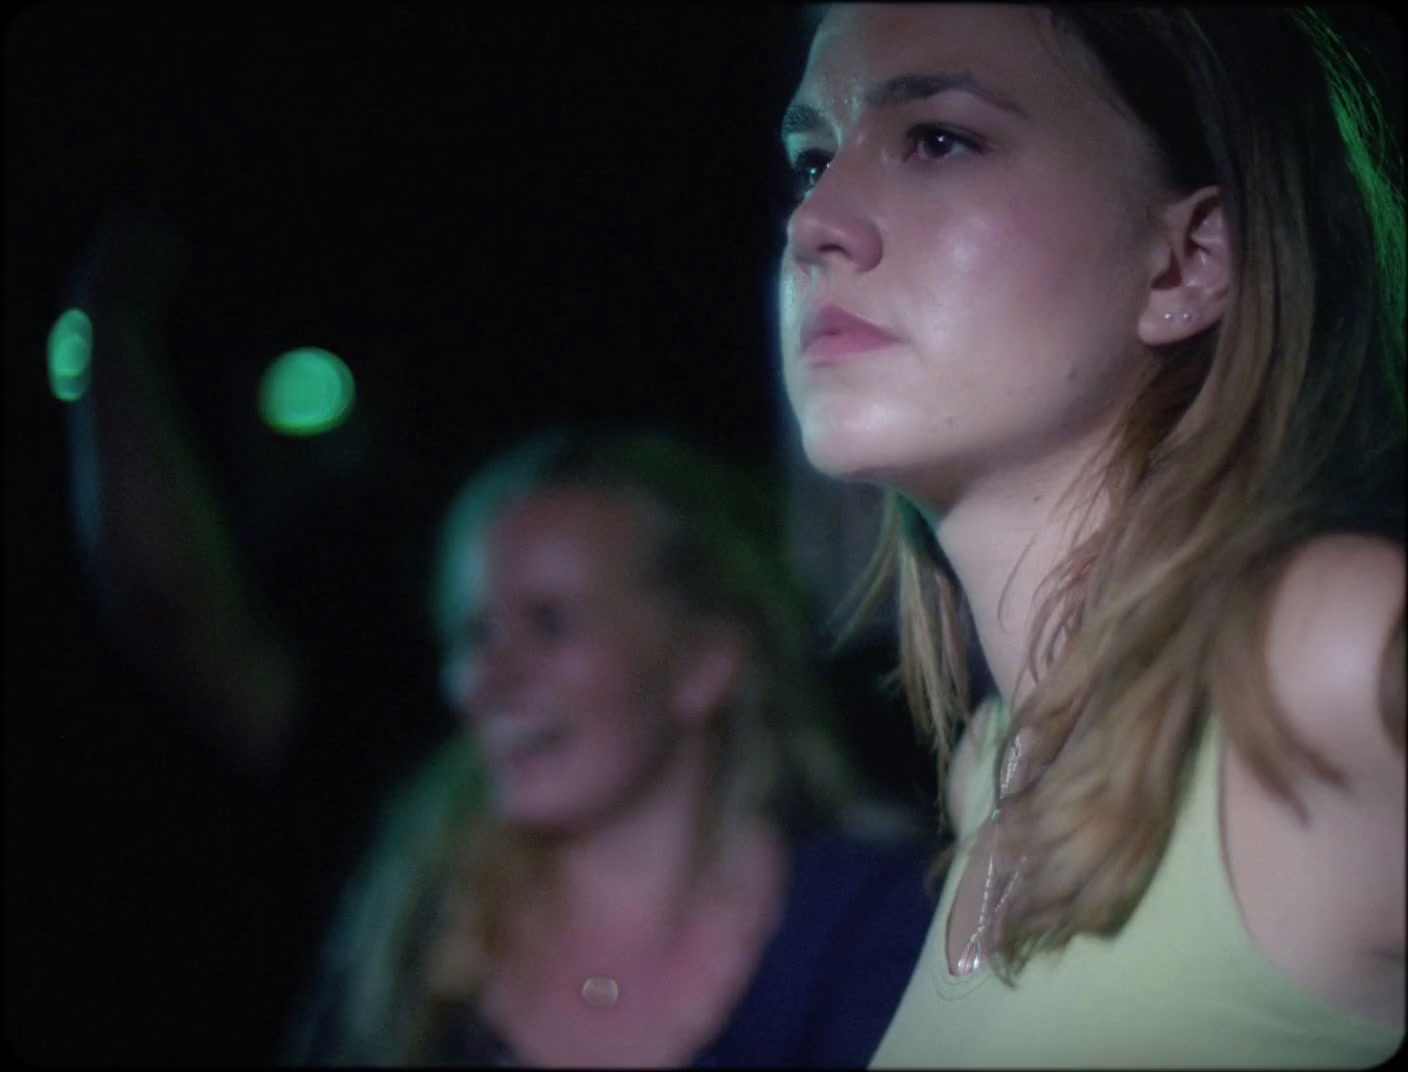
1110 299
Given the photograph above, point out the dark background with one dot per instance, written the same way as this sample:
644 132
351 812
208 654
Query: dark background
497 216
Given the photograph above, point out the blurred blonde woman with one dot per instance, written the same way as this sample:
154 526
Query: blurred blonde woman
645 849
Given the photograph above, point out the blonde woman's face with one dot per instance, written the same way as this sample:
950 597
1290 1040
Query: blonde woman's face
567 678
962 277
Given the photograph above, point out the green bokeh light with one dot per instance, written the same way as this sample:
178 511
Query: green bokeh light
306 392
70 355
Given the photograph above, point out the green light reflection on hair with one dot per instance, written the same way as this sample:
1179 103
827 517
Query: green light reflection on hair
305 392
70 355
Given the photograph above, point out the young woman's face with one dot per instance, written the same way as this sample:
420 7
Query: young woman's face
567 676
970 193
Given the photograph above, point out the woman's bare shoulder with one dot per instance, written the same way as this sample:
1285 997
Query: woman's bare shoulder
1334 648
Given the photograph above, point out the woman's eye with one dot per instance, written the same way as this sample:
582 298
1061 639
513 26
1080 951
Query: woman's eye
549 621
931 142
806 170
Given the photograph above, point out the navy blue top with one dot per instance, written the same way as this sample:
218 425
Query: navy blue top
823 993
831 976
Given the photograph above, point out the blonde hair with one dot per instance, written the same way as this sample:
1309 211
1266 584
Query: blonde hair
1284 421
423 924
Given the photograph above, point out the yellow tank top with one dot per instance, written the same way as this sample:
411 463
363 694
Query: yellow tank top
1182 984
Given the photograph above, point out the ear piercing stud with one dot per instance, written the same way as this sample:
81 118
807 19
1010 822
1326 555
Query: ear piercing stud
1182 316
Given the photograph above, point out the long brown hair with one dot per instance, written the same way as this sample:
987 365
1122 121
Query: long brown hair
1283 421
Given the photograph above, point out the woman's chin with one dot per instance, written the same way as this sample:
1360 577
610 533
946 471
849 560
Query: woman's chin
847 455
828 452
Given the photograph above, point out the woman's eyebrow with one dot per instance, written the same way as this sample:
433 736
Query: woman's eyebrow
911 87
801 119
901 89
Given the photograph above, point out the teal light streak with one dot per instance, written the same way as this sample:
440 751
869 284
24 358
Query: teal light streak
70 355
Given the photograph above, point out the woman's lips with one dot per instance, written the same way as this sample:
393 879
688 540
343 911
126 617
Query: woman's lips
831 332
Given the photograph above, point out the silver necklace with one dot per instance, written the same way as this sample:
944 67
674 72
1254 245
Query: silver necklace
974 952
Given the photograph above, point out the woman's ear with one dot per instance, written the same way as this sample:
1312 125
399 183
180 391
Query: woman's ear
1192 274
709 671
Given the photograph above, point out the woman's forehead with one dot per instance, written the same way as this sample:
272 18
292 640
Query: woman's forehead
579 523
568 539
1009 51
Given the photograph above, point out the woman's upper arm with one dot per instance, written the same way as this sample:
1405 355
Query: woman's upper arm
1334 647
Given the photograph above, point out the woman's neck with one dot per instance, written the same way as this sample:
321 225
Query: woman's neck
640 872
1003 546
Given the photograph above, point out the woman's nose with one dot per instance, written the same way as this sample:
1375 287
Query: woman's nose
833 223
499 663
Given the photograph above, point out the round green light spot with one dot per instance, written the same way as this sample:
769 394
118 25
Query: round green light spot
305 392
70 355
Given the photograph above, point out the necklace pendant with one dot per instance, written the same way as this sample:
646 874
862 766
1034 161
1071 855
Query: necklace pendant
600 991
971 957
